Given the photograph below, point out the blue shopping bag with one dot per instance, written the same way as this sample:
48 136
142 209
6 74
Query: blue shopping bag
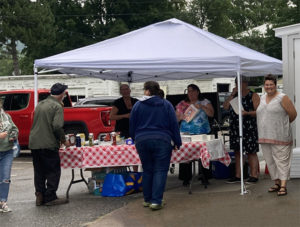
137 178
133 182
116 185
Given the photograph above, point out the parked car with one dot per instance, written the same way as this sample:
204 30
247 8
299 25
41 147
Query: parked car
97 101
224 113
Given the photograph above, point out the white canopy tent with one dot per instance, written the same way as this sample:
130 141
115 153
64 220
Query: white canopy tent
168 50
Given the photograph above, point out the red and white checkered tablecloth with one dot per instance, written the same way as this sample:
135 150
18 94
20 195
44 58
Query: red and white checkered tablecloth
126 155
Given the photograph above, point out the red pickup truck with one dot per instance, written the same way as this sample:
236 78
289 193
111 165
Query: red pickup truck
80 119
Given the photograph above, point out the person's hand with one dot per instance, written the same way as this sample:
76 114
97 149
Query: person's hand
127 115
67 143
3 135
234 92
176 147
199 106
179 115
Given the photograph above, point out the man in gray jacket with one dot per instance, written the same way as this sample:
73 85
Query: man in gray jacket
45 138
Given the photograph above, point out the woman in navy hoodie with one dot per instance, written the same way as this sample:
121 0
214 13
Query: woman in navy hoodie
154 128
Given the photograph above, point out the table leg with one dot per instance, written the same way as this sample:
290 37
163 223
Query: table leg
203 176
193 175
75 181
204 179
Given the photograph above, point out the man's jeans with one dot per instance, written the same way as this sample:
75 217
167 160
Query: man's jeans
155 156
6 159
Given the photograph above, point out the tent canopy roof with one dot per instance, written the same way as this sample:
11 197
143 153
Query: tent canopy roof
167 50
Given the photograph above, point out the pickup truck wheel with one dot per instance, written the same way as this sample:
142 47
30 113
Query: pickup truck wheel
74 130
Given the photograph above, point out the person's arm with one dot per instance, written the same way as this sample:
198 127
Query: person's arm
174 127
289 107
132 122
208 109
226 104
14 131
58 124
256 101
114 116
179 111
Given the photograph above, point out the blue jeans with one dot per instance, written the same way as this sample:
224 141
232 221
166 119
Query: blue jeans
155 156
6 158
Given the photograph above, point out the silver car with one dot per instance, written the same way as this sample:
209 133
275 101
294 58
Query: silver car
97 101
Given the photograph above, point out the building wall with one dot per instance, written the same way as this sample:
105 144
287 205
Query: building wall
173 87
84 86
290 36
88 86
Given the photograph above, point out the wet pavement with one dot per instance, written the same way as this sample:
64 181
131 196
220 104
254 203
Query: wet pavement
82 208
219 205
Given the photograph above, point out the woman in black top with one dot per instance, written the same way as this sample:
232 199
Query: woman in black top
121 111
250 102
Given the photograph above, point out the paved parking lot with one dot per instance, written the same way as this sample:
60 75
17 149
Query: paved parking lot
219 205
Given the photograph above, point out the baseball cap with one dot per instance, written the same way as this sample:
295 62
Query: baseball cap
58 88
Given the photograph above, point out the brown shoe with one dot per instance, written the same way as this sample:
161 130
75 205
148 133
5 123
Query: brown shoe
39 199
56 202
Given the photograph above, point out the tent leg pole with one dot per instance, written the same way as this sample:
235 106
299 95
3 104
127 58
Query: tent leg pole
243 189
35 86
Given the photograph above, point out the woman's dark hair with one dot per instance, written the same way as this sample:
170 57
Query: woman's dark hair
161 93
243 79
194 87
270 77
152 87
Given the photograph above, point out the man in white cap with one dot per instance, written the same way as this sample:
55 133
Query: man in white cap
45 138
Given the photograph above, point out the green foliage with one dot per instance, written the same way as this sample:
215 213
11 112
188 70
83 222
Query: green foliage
26 64
6 64
251 13
255 41
49 27
71 26
115 17
28 22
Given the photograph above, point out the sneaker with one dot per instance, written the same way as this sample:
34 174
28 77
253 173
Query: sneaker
56 202
252 180
233 180
146 204
4 208
155 206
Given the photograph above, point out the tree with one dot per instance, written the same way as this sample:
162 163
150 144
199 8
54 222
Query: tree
6 66
73 30
251 13
28 22
110 18
212 15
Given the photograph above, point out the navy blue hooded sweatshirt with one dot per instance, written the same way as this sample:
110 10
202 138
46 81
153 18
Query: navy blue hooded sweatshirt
154 118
